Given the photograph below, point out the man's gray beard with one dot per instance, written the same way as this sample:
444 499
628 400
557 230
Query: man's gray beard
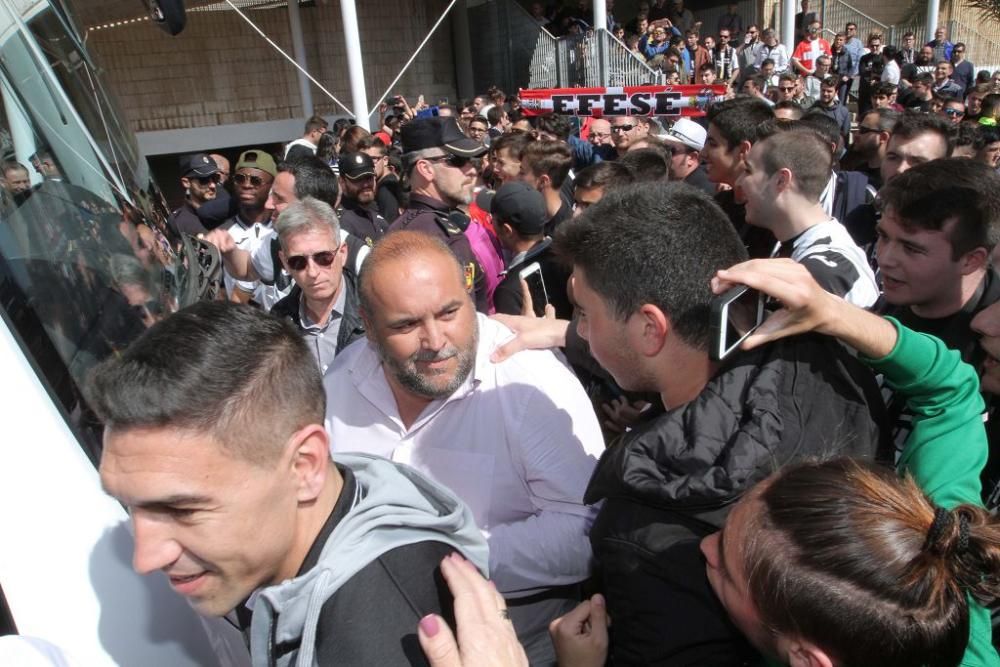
406 373
455 199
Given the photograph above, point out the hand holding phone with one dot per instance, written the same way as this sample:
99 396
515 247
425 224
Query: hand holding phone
735 314
532 275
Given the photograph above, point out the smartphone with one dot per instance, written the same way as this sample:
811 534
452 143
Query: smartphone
532 274
735 315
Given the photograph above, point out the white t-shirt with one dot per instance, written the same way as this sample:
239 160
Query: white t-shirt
248 237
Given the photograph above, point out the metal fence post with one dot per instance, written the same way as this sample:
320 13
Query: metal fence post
602 55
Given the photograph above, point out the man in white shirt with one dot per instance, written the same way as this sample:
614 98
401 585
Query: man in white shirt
517 440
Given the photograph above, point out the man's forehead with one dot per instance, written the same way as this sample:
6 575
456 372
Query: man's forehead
928 145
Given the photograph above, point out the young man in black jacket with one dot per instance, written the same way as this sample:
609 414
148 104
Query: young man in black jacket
642 289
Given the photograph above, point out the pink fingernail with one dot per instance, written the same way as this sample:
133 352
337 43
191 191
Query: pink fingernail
429 624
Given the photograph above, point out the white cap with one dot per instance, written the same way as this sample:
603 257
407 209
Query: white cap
687 132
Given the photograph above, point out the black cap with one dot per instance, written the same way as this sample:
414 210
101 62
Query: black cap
356 165
518 205
439 132
198 164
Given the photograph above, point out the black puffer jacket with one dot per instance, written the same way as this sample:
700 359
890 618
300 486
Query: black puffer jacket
674 478
352 327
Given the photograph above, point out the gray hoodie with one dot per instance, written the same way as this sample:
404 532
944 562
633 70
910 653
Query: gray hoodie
394 506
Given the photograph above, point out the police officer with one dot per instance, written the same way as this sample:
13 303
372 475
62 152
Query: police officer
358 214
200 179
438 159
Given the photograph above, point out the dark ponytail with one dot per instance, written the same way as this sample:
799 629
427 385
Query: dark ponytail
862 564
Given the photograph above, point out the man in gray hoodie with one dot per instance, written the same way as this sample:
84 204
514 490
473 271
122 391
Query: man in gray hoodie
220 456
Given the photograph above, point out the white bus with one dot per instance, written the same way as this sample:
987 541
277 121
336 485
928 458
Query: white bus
86 263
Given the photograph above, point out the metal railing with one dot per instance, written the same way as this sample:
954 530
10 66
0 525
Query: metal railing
837 14
597 59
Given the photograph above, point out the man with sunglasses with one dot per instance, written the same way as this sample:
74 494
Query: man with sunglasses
626 130
438 158
200 180
251 226
323 305
871 140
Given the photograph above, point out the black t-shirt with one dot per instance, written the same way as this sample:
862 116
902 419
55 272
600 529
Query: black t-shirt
508 298
564 213
759 242
372 619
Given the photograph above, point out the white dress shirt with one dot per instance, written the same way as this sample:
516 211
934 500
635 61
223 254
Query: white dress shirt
517 441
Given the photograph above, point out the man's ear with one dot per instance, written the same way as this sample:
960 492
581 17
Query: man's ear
802 653
974 260
544 181
744 150
310 460
782 180
186 182
656 328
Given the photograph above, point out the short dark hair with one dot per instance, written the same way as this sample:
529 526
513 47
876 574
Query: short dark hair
803 152
648 164
931 194
829 82
767 61
706 67
884 88
479 119
788 76
607 174
986 135
553 124
738 119
924 79
494 114
190 372
966 134
315 123
667 259
12 165
822 125
550 158
312 179
513 142
912 124
890 52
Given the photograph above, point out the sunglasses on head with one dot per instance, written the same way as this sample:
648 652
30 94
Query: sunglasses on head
244 179
621 128
299 262
456 161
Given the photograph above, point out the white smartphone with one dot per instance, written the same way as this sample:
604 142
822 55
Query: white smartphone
532 274
735 315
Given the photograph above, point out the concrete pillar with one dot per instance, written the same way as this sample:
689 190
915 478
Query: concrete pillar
788 24
355 68
462 48
600 15
933 9
299 49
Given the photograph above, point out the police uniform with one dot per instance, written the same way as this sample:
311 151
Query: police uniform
364 222
435 217
185 220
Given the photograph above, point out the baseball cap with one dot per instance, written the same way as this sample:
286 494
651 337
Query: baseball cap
198 164
257 158
686 132
439 132
519 205
356 165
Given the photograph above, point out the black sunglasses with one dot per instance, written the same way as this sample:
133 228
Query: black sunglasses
456 161
621 128
299 262
243 179
205 181
867 130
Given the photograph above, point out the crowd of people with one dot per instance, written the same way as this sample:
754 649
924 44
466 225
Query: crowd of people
463 375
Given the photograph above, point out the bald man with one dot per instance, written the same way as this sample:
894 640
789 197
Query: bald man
600 132
517 440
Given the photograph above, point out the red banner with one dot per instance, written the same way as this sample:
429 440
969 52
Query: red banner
621 101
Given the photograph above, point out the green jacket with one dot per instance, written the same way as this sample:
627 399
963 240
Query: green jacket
947 447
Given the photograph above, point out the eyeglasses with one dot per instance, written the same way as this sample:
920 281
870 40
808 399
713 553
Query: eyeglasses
244 179
299 262
456 161
867 130
953 112
205 181
621 128
787 89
